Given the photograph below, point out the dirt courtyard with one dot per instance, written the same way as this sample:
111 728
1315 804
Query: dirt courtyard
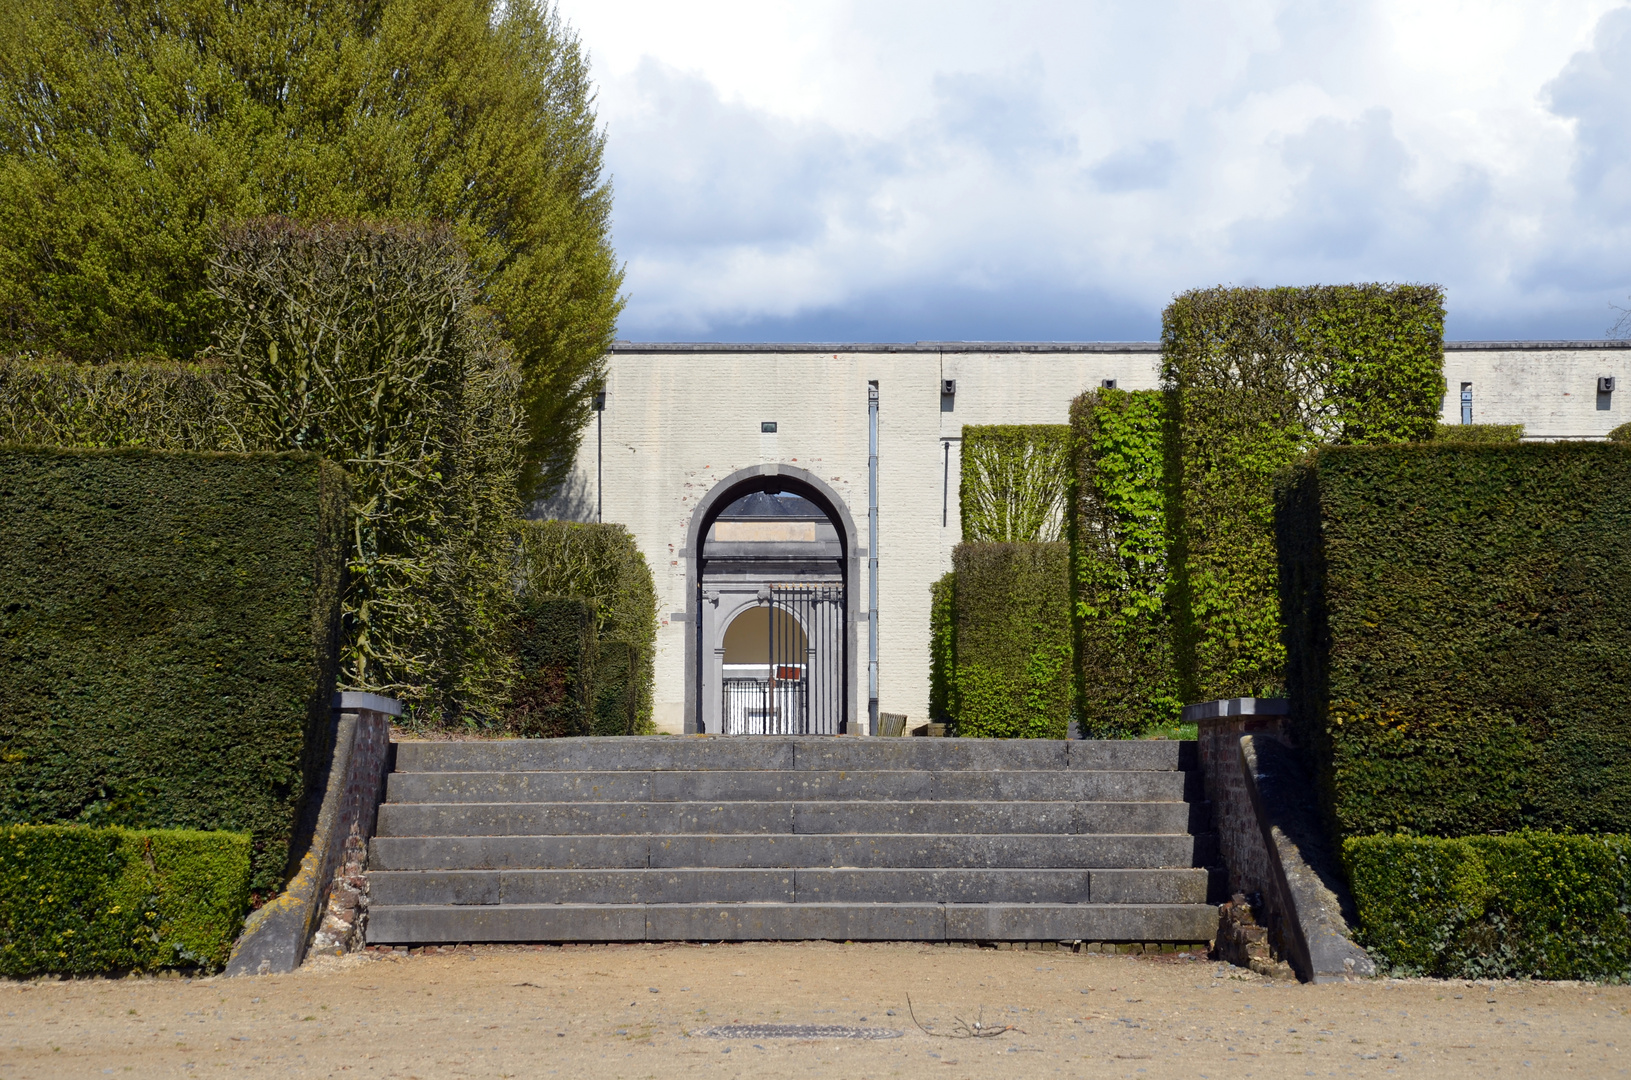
639 1011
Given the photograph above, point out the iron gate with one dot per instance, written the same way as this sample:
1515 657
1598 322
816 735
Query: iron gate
802 689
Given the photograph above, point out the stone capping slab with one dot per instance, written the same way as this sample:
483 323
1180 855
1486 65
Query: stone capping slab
1311 898
357 701
275 937
1240 706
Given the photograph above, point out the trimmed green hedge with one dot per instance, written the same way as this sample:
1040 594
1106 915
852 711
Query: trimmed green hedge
1621 434
168 639
558 650
1126 680
1013 482
1262 375
1532 905
79 901
1479 433
600 565
154 406
1457 624
1013 669
942 646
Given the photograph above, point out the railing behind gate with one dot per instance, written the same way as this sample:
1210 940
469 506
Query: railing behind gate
802 689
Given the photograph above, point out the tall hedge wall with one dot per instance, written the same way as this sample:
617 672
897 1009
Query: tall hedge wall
1530 905
168 639
1457 624
1480 433
1013 641
559 650
1013 482
1260 376
80 901
1126 680
155 406
942 646
601 566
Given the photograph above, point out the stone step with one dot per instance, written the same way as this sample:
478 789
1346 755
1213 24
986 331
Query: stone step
723 818
895 850
736 785
694 886
427 924
677 753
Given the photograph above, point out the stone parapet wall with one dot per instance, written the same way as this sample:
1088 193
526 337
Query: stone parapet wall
1240 838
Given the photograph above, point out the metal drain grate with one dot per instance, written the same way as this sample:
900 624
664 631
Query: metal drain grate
794 1031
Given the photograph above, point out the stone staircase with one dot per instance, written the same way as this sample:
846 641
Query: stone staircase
772 838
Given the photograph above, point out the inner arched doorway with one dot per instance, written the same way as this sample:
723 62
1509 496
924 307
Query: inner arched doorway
771 563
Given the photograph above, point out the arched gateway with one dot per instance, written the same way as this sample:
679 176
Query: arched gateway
773 559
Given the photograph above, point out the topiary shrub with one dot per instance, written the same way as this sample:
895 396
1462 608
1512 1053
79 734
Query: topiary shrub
1479 433
1621 434
81 901
942 646
1013 641
1456 619
168 639
558 650
1013 483
1531 905
600 565
362 342
1126 680
1260 376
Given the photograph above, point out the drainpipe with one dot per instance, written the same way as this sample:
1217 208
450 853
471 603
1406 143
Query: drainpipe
872 557
600 445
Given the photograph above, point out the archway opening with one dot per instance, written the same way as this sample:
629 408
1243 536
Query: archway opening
772 638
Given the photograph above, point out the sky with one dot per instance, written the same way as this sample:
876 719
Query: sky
823 170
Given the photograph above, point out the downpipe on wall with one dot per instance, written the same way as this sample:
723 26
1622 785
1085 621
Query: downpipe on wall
872 558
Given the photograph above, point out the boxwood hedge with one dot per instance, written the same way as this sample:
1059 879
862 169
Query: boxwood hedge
1530 905
1013 644
168 639
79 900
1458 661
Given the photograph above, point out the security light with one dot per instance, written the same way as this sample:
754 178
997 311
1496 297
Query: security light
948 387
1605 384
1108 384
600 401
767 427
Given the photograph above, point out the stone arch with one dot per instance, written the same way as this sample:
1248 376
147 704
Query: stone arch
771 477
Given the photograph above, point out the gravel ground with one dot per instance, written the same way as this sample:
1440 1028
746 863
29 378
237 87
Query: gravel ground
638 1011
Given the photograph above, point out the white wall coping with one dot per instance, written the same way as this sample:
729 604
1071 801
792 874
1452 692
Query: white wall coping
357 701
1240 706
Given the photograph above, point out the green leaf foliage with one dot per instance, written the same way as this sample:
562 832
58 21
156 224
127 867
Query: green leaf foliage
1260 376
1012 675
942 646
1014 483
1456 623
169 629
1480 433
601 566
155 406
1621 434
362 342
558 650
76 900
1531 905
1126 680
131 135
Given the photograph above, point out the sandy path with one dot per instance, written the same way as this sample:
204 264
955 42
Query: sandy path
593 1012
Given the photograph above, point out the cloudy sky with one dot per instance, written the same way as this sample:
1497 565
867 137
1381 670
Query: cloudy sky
823 170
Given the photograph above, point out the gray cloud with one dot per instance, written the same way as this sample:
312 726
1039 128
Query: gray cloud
1143 166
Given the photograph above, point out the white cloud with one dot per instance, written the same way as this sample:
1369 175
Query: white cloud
1035 170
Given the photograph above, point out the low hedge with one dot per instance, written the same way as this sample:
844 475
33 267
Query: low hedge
1479 433
1126 678
1013 641
1531 905
78 900
1456 631
1013 482
558 650
169 627
601 566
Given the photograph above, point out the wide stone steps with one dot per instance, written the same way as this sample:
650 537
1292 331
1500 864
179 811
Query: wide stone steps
791 838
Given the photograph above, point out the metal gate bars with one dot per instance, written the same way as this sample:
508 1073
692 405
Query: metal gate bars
802 690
